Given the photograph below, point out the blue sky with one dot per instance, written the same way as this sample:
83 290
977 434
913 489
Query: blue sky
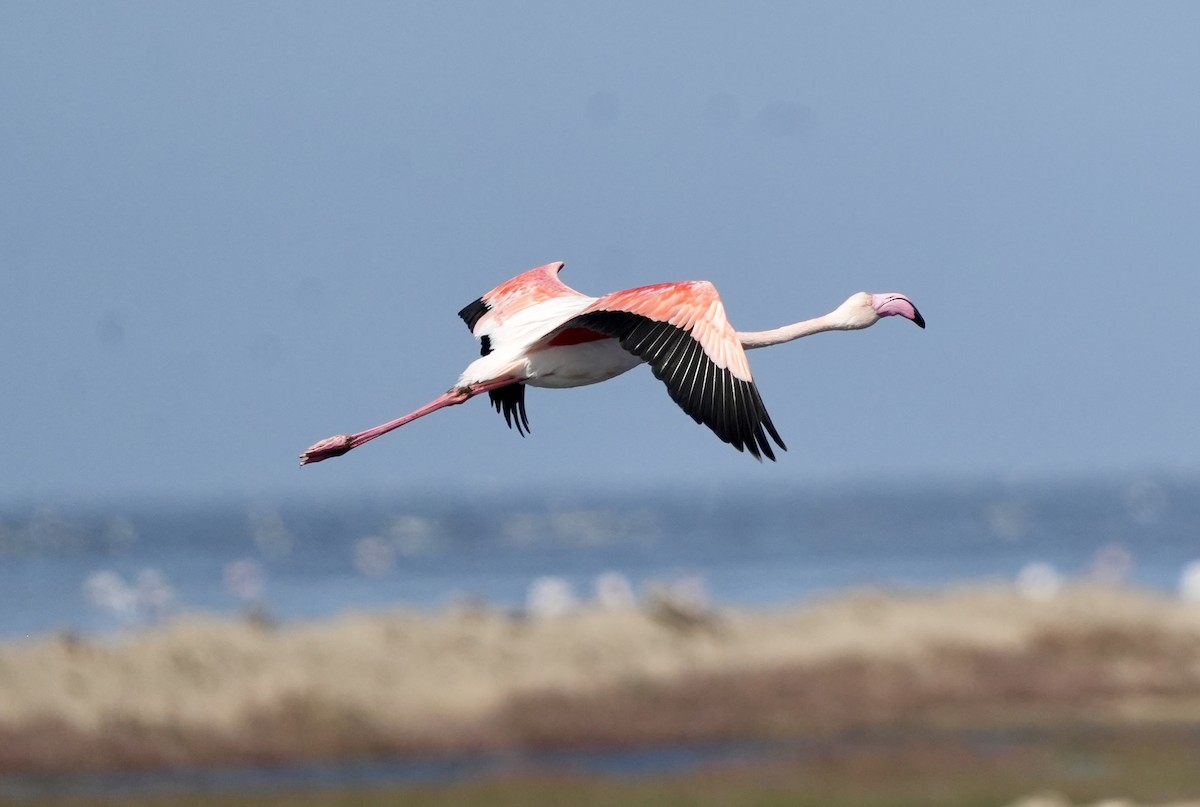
228 230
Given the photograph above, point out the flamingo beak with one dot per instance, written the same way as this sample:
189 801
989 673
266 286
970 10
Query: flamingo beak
887 305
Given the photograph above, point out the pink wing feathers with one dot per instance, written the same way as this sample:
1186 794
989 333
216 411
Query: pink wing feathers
488 314
528 288
691 306
680 329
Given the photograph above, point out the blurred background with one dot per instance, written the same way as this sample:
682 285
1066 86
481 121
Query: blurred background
228 230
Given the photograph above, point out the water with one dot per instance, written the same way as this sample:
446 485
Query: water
103 567
625 762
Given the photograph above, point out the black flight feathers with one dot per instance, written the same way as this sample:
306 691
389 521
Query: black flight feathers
472 312
470 315
510 402
713 396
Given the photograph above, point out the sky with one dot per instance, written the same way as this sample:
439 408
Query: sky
230 229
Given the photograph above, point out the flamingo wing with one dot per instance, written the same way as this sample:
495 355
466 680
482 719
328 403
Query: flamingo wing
681 331
489 312
487 316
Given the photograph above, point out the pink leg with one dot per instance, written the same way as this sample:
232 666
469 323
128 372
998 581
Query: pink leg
339 444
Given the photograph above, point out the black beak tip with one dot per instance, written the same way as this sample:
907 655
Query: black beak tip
917 318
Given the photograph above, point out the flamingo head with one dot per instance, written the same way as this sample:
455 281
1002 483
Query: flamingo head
864 309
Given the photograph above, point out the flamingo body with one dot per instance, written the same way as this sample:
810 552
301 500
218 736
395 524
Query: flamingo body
534 330
579 364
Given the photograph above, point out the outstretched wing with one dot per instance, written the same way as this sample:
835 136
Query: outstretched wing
487 314
681 331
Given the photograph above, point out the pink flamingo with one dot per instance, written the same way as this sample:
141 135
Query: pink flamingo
537 331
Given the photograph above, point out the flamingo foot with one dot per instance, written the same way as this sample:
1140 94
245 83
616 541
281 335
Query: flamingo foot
334 446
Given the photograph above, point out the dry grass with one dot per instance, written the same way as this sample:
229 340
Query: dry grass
1097 676
1094 676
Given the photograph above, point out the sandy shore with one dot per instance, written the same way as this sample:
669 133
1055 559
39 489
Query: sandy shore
204 689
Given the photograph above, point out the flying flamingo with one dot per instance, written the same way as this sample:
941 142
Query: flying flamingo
535 330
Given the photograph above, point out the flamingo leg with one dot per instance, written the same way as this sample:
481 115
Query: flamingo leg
339 444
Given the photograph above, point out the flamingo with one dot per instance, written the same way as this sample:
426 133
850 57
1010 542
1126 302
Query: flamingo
534 330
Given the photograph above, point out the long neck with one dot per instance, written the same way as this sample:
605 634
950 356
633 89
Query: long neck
753 339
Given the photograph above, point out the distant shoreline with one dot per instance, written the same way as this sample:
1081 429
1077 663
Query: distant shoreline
205 691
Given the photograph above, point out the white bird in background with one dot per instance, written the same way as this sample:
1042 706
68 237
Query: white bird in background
536 331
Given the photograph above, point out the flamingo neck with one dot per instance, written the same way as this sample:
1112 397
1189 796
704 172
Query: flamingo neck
753 339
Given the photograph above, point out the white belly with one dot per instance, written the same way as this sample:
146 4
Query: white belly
579 365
